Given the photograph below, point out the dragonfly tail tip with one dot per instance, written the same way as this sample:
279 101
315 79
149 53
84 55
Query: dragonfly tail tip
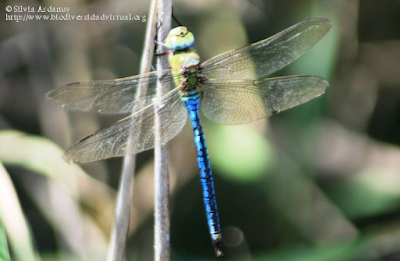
218 249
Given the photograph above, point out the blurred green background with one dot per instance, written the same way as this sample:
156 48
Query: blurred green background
318 182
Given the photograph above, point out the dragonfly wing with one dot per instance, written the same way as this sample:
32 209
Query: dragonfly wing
267 56
111 96
132 134
243 101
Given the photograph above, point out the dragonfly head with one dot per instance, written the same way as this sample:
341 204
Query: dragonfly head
179 39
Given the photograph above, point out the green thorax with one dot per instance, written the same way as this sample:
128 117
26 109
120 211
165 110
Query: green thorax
184 61
184 66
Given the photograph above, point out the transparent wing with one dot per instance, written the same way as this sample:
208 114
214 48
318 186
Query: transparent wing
267 56
111 96
243 101
132 134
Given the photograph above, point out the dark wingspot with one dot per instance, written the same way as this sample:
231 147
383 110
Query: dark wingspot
72 83
87 137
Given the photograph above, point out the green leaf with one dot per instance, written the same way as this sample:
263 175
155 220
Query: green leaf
21 240
35 153
368 193
4 254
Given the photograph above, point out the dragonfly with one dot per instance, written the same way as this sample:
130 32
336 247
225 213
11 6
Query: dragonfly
230 88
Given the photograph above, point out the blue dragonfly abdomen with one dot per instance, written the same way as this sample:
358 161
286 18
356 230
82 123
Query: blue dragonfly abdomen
192 102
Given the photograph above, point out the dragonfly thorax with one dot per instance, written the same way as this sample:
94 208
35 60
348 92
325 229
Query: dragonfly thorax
179 62
184 66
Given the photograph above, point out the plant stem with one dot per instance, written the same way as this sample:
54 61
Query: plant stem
161 152
120 230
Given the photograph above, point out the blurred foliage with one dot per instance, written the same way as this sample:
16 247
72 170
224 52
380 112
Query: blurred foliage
4 253
229 157
318 182
12 217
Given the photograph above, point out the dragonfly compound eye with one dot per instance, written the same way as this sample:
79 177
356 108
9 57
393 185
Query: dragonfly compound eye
179 39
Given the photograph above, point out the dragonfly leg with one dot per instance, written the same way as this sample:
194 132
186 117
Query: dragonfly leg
161 54
174 17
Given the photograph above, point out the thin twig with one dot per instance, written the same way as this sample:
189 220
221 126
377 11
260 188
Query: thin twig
161 152
120 231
